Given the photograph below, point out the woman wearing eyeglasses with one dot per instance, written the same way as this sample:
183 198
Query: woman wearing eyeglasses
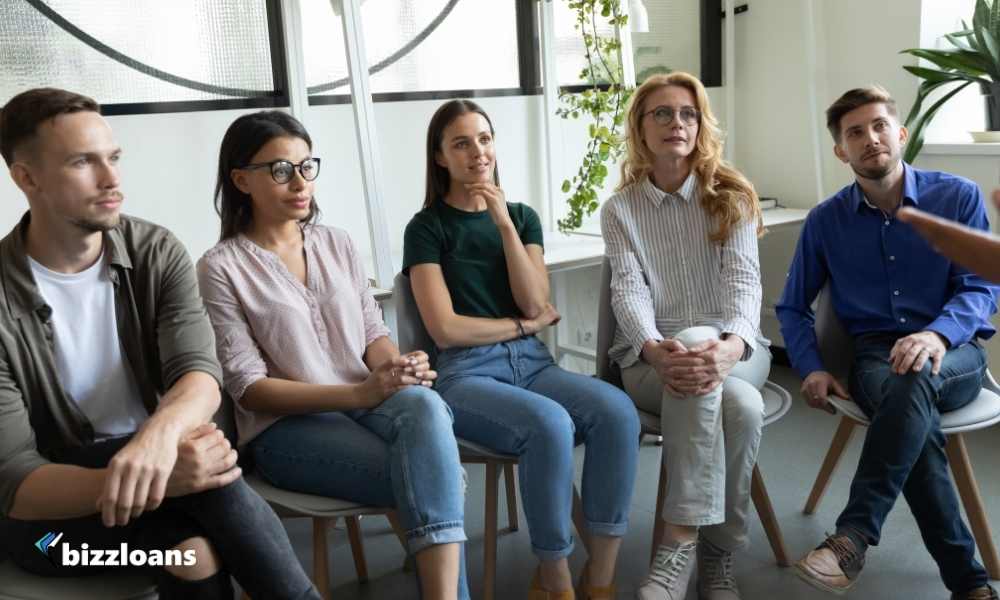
475 264
681 237
325 404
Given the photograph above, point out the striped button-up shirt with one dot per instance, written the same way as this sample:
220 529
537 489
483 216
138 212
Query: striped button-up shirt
667 276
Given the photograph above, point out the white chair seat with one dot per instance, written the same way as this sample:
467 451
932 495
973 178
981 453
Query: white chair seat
777 401
123 584
981 412
308 504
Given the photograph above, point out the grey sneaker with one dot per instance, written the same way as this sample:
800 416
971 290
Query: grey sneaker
715 573
670 573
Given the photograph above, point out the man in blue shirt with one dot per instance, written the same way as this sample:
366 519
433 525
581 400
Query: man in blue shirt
914 316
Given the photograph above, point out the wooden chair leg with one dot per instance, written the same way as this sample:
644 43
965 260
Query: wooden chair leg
357 548
397 528
840 439
321 564
580 520
490 534
968 490
511 481
658 514
758 492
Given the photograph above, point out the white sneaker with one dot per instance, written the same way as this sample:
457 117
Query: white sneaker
670 573
715 573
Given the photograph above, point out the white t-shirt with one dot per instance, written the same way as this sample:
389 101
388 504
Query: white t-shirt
88 353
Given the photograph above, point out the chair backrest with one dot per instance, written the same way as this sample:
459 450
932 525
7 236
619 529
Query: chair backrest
607 369
410 331
836 346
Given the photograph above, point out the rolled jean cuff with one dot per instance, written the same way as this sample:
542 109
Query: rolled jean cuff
547 555
607 529
690 520
446 532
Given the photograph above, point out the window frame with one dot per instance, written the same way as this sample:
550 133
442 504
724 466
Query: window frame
278 98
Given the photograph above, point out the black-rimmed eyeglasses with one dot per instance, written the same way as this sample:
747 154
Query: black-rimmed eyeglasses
282 171
664 115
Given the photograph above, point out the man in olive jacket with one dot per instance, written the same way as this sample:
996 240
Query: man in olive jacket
109 381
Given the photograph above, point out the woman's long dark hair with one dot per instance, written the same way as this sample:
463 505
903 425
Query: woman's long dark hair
244 138
438 178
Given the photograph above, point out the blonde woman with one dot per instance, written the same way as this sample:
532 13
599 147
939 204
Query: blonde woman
681 235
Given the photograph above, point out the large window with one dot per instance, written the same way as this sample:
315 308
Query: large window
417 48
666 36
127 54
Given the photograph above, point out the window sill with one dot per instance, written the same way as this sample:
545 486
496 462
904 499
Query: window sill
962 149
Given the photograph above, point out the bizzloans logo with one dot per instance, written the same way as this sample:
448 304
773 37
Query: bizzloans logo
86 556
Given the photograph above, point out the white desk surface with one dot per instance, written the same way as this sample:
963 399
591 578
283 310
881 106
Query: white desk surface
775 217
572 251
564 252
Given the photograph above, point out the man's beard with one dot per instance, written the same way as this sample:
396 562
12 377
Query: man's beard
97 225
877 173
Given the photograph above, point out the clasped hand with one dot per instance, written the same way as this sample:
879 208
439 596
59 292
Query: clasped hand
693 371
155 465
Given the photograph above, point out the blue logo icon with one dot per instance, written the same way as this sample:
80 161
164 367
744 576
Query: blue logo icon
47 541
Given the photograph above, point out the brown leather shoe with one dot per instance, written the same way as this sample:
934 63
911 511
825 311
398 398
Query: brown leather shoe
586 591
833 566
537 592
980 593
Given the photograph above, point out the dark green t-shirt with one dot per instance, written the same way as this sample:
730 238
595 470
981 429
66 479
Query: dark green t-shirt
469 249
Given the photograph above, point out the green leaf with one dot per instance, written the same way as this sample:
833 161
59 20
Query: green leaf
936 76
994 52
916 141
565 186
922 92
970 63
958 41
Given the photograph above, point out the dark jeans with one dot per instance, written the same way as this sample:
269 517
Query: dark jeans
904 451
241 527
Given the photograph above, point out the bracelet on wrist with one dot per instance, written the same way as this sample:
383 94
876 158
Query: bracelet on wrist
520 328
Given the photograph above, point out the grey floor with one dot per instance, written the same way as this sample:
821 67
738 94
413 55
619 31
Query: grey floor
790 454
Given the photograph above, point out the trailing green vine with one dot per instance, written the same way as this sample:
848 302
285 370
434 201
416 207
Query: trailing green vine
604 102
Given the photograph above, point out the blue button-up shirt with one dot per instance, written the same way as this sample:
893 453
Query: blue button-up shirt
883 276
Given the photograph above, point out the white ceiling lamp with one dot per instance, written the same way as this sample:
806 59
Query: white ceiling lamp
638 18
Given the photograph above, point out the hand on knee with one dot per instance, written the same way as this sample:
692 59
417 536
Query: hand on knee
206 564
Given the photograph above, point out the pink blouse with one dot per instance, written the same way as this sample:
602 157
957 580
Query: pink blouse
267 324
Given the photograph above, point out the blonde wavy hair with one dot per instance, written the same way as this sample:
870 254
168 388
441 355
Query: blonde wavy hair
725 194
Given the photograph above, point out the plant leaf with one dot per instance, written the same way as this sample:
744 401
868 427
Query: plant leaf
916 141
936 76
968 62
922 92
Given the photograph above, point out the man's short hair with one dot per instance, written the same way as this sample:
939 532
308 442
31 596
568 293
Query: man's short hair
857 98
21 116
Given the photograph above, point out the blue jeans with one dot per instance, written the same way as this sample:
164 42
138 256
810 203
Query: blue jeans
513 398
904 451
400 454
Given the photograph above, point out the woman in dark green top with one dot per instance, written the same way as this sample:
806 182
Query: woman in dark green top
475 263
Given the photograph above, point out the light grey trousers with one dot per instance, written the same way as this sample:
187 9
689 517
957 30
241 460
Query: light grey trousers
709 445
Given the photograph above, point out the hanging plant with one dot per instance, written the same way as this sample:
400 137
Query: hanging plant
604 102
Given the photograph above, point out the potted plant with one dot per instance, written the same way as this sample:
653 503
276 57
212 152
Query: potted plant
973 58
